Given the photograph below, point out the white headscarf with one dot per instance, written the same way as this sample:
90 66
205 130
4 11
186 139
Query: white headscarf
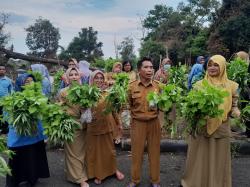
84 68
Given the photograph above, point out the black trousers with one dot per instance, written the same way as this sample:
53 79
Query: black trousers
3 125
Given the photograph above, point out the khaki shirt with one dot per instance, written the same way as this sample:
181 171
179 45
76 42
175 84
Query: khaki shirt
139 105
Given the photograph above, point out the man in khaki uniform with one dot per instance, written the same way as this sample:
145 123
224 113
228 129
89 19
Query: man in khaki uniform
145 125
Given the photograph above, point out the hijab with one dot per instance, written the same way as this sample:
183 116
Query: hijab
92 76
20 81
68 72
41 69
84 68
117 64
220 81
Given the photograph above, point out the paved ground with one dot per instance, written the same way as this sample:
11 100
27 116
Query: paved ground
172 166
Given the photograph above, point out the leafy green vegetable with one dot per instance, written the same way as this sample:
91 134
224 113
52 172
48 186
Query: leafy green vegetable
25 108
246 112
37 75
117 94
201 104
169 95
237 70
57 82
4 169
59 126
178 76
84 95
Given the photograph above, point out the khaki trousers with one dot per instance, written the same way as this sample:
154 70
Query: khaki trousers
142 132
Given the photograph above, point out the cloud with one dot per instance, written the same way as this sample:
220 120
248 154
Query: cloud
110 18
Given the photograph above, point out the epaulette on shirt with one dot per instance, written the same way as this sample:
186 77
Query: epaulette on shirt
130 82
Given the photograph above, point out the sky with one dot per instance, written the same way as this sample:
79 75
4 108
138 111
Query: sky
113 19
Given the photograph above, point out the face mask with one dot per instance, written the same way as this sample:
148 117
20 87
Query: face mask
166 67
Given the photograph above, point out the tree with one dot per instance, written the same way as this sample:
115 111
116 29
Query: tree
42 38
230 30
182 30
84 46
126 49
153 50
4 37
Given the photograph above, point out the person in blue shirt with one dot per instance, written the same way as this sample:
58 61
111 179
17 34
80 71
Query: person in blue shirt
30 160
6 87
197 69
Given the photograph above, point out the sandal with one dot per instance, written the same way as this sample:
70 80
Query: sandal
97 181
131 184
119 175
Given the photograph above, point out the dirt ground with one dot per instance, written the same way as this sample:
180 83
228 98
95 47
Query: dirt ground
172 166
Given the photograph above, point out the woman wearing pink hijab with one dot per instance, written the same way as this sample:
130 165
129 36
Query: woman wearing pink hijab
101 154
74 151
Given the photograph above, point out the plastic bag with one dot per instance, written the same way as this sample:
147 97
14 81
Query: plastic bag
126 118
86 116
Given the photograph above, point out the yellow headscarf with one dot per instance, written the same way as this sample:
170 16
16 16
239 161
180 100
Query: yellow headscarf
221 81
115 65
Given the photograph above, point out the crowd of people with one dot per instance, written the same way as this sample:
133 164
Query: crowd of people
92 153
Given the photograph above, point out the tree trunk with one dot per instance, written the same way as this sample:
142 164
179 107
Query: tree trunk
11 54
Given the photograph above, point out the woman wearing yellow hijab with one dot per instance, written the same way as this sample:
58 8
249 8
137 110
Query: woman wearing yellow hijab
208 161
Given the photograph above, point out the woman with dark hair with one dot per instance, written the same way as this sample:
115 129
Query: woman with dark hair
127 67
30 160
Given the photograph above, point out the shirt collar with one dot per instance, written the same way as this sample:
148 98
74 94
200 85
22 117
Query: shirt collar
149 84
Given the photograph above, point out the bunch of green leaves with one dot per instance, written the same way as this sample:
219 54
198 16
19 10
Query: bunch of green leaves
178 76
37 75
237 70
109 63
57 81
200 104
118 93
169 95
84 95
25 108
58 125
246 112
4 169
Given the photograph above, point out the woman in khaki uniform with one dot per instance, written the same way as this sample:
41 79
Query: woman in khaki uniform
208 161
74 151
109 76
101 154
128 68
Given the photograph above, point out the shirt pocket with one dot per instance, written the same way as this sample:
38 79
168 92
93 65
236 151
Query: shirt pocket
137 98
